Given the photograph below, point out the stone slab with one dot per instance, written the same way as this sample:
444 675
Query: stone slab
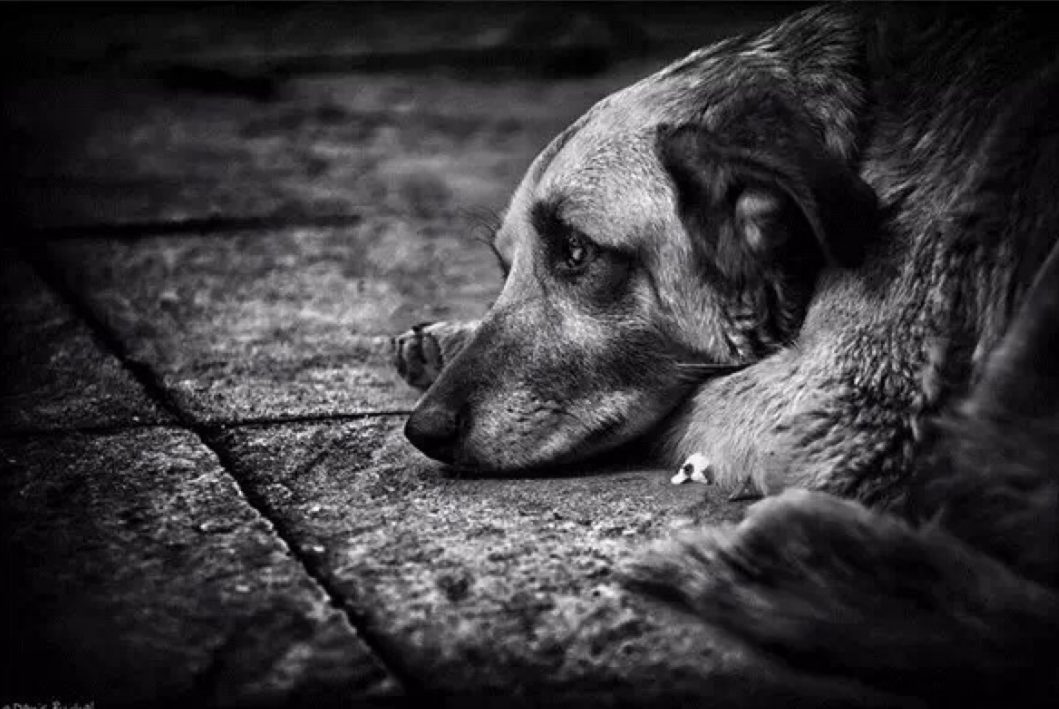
54 373
136 574
287 323
498 592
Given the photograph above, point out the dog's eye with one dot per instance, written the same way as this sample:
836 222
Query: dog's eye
575 252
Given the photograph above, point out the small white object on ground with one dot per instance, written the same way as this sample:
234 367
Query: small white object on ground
696 469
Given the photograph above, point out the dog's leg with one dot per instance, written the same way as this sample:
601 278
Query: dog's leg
835 589
961 609
420 353
734 422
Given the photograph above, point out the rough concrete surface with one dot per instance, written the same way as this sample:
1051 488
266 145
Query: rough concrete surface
287 323
219 216
54 373
138 573
500 588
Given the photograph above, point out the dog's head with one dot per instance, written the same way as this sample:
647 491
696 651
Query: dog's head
658 241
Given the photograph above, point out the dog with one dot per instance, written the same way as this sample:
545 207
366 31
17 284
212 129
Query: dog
814 256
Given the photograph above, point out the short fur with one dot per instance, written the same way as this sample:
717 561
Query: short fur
849 211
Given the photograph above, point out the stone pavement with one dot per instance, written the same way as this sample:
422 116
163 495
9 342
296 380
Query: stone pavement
218 217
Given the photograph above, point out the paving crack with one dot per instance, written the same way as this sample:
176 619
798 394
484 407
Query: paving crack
209 436
212 425
101 429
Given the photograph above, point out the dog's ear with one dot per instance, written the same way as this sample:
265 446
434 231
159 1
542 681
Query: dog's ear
750 203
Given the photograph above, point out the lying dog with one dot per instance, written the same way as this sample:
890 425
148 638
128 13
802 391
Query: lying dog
771 204
790 252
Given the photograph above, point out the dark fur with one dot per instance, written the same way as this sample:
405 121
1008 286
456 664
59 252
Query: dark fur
764 219
956 602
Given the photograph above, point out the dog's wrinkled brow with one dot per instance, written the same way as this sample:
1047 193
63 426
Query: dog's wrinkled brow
547 221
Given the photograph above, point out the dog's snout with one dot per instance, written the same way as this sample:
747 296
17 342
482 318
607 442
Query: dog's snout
435 430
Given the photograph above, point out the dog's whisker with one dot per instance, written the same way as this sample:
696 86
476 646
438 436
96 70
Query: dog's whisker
483 231
486 222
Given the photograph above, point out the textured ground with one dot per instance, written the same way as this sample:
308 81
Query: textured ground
218 217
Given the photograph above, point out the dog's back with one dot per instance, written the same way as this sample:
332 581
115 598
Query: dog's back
957 603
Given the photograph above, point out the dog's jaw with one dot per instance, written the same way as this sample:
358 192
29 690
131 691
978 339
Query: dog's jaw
552 400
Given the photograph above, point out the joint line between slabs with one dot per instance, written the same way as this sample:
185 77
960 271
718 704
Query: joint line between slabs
207 435
107 429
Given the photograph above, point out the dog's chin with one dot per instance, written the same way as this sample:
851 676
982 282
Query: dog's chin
534 454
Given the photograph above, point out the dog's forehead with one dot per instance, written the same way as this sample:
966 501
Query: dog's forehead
599 166
607 176
618 132
604 170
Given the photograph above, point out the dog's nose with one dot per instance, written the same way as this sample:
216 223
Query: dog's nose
434 431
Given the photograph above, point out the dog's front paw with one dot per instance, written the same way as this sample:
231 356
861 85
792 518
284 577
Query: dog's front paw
417 355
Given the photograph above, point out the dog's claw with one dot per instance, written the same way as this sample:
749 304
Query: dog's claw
417 356
747 491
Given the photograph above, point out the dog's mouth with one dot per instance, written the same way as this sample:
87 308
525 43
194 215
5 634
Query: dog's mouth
566 442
